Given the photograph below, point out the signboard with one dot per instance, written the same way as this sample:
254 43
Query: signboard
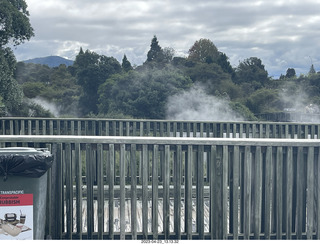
16 215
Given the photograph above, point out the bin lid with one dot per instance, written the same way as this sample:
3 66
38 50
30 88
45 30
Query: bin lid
23 150
24 161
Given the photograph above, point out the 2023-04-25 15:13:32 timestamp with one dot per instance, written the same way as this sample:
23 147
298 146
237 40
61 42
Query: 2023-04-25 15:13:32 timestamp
160 241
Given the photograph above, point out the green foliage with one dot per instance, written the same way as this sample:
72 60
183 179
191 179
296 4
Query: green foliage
203 51
92 70
10 91
265 101
141 94
155 53
251 70
14 22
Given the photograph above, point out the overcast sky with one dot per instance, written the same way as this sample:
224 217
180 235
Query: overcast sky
283 34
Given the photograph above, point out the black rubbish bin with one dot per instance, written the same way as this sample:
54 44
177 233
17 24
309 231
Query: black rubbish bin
23 191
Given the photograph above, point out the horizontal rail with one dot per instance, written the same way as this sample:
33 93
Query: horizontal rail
157 128
162 140
180 187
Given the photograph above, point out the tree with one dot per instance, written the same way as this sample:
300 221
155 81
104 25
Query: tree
126 65
141 94
312 71
251 70
14 22
203 51
291 73
155 53
15 27
92 70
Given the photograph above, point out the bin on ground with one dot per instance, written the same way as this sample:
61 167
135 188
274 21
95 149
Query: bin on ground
23 191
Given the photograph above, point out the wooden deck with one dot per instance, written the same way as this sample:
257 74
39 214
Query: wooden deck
139 216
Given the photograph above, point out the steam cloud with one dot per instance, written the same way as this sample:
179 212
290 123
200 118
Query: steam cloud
53 108
197 105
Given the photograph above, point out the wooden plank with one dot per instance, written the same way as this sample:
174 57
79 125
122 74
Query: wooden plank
257 192
268 175
188 193
69 191
289 192
212 192
78 173
122 191
166 198
247 192
279 183
155 166
299 198
133 191
177 189
90 179
235 197
100 186
145 191
111 190
200 195
310 193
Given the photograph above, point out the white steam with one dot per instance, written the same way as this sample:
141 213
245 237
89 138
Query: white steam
52 107
195 104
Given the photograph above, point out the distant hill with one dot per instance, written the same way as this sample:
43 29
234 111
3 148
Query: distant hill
51 61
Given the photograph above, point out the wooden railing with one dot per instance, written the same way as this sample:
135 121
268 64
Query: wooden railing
105 187
157 128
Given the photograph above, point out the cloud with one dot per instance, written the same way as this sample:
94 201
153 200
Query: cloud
282 34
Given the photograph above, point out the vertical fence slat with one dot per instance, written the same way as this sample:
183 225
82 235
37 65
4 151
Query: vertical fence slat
310 192
188 194
289 189
133 191
155 166
111 190
225 193
78 169
100 186
89 180
235 197
145 196
200 195
69 191
268 175
122 191
279 183
177 190
166 192
299 195
257 192
247 192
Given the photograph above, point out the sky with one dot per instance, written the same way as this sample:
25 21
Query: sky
283 34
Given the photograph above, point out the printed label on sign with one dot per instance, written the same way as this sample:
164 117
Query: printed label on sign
16 216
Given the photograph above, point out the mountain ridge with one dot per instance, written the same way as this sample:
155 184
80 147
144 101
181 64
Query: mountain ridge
51 61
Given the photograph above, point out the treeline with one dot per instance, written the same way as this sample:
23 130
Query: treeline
100 86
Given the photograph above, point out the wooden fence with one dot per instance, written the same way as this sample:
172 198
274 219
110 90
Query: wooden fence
157 128
209 188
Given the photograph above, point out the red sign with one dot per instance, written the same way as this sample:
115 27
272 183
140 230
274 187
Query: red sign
16 200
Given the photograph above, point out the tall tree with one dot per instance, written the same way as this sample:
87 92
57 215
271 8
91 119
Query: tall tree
15 28
203 51
251 70
92 70
155 53
14 22
312 70
291 73
126 65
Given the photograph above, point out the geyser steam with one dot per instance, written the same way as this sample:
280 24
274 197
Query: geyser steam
195 104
